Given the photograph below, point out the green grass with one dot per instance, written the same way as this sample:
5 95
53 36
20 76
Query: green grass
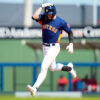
44 98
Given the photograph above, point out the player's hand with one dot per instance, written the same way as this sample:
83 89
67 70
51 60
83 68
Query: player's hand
70 48
46 4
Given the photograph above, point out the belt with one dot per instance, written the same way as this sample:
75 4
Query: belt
48 45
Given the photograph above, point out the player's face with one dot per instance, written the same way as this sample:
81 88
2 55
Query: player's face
50 16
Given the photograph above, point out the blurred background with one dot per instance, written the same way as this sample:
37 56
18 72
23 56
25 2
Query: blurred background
21 49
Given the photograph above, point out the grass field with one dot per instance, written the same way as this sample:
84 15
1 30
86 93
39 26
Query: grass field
38 98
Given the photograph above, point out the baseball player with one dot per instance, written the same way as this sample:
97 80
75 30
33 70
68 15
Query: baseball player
52 27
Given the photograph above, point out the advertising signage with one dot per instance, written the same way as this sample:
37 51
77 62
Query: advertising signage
21 32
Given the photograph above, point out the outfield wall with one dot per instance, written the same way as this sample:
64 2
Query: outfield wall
14 51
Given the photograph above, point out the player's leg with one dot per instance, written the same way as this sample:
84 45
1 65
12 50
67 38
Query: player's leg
41 76
70 68
60 67
49 56
40 79
56 66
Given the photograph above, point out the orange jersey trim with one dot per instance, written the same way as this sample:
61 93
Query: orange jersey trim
60 35
40 23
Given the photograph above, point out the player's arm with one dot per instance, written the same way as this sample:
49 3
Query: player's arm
37 13
70 46
70 36
67 28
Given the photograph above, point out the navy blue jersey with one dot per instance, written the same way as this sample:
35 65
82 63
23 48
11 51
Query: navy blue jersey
52 30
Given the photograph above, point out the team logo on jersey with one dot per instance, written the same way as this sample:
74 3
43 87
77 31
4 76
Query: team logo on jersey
49 27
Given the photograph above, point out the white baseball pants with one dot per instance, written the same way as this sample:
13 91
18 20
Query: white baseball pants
50 53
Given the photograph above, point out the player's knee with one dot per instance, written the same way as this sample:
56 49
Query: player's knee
52 68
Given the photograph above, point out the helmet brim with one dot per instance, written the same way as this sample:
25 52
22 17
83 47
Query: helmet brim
49 13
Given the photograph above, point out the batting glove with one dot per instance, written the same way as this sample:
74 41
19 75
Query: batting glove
46 4
70 48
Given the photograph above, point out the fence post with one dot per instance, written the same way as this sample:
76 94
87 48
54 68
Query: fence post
70 85
34 74
14 78
1 78
95 61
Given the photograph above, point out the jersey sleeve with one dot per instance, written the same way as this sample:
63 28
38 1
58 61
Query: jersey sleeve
66 27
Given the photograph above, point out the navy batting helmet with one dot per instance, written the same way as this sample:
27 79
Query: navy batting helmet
50 10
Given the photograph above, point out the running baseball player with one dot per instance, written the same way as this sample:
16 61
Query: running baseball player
52 27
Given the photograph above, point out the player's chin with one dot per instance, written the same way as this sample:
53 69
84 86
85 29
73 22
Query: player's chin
50 18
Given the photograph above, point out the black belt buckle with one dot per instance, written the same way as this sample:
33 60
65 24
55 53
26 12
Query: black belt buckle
53 44
48 45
